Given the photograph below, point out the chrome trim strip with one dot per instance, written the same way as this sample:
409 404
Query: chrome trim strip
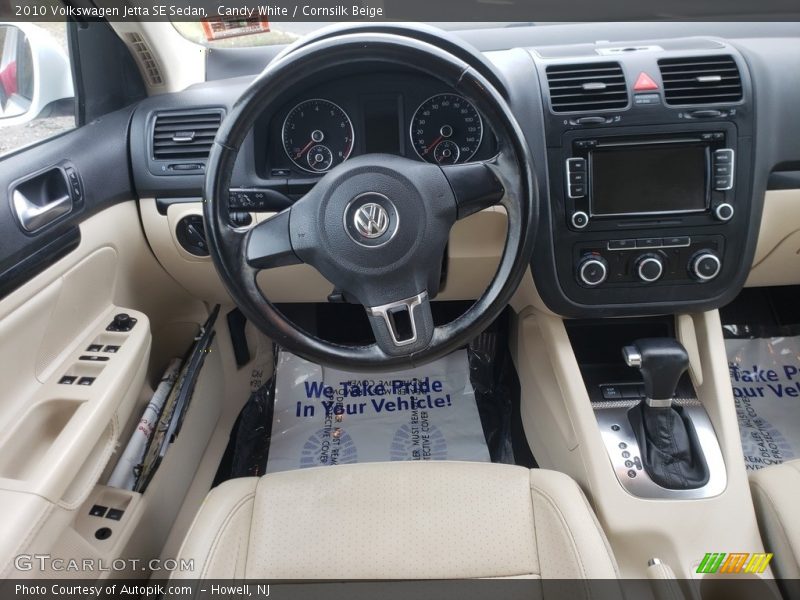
615 414
410 304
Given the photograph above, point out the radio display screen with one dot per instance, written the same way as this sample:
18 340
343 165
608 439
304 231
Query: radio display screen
649 179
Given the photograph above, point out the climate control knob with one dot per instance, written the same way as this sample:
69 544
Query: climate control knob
649 267
592 270
705 265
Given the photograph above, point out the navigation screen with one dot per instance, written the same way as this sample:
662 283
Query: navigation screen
648 179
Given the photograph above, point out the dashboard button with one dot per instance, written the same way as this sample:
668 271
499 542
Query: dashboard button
723 183
577 177
649 243
621 244
722 169
577 190
576 164
677 241
724 155
646 99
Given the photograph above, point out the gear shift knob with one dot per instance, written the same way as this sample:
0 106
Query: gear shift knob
662 362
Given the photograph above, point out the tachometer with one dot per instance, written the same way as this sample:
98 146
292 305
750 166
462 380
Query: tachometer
446 129
317 135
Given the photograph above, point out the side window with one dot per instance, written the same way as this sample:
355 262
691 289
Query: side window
36 87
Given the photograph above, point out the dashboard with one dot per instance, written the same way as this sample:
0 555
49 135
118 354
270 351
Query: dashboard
652 157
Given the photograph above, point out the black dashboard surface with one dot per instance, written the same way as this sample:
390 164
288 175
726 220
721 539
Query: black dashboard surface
770 51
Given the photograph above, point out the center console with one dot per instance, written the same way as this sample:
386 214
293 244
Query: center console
650 179
658 436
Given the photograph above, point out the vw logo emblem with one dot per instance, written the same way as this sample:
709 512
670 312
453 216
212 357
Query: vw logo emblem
371 220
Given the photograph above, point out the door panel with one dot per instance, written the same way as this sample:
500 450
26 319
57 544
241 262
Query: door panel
98 155
60 287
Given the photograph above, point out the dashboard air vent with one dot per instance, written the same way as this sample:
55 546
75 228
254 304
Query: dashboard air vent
185 135
585 87
700 80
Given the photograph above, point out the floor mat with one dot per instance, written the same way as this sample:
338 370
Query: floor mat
491 374
765 375
325 416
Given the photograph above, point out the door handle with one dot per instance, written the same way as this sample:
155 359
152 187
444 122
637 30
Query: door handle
33 216
45 197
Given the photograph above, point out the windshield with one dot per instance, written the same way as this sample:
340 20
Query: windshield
287 32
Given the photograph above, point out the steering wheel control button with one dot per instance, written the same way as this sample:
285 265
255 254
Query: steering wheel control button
705 266
649 268
592 270
371 219
121 322
724 212
579 219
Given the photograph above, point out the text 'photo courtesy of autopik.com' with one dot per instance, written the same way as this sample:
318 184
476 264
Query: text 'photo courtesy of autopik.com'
447 299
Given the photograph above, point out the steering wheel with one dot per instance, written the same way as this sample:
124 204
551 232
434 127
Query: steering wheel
376 226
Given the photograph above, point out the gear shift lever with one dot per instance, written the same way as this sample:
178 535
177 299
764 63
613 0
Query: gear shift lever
667 440
662 362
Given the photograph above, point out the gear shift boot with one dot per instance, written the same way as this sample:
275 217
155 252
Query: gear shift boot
671 452
668 443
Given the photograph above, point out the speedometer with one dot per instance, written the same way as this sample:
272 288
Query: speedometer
317 135
446 129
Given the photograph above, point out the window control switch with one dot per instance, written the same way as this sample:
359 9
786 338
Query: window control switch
93 358
111 349
67 379
86 381
115 514
94 348
98 510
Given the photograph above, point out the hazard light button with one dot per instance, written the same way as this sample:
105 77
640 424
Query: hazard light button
644 83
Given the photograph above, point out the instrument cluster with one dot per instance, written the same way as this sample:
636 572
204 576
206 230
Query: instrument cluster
405 115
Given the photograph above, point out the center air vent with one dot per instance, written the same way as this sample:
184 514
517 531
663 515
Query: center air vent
587 87
185 135
700 80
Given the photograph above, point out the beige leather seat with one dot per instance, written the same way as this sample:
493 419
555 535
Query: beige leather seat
433 520
776 491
